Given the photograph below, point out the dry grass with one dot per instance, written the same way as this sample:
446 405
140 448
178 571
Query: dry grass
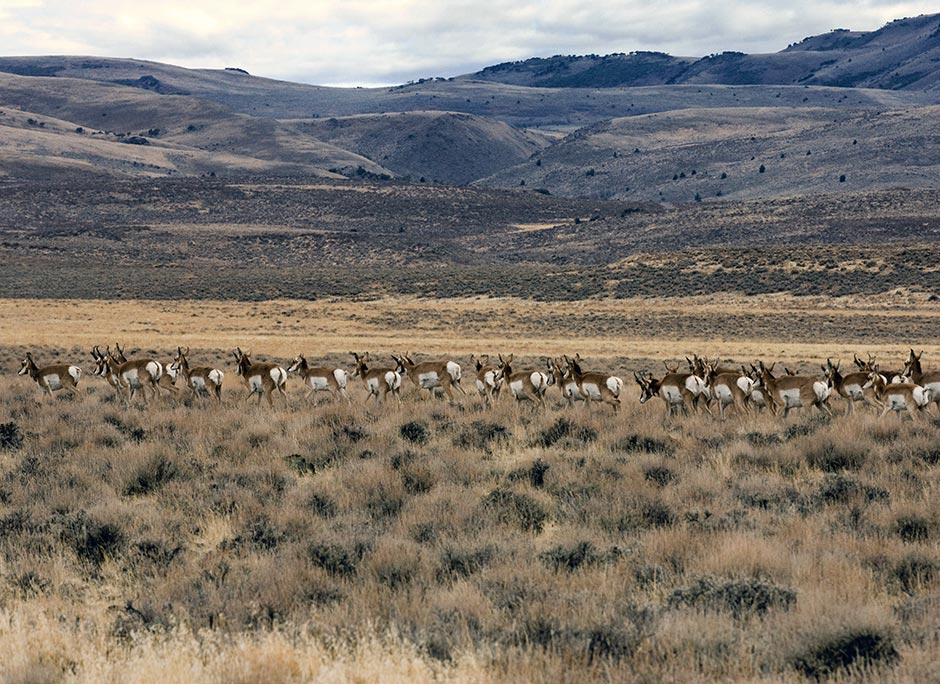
236 543
461 327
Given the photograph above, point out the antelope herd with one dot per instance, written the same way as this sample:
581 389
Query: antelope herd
702 387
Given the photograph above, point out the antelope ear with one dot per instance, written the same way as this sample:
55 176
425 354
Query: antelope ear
638 379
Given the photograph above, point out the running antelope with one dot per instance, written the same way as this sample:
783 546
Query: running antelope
595 386
729 387
566 383
673 389
929 381
899 396
103 369
262 379
430 375
525 385
794 391
850 387
486 379
52 378
332 380
200 380
136 374
890 376
379 381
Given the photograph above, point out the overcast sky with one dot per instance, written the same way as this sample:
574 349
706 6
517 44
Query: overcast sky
365 42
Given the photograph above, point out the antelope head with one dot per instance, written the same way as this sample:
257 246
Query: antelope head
649 386
504 369
28 364
299 365
361 364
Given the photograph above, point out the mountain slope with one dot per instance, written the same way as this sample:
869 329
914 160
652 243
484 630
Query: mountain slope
446 147
902 55
719 153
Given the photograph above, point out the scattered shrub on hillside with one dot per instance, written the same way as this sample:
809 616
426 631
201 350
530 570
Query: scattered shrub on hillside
660 475
415 432
11 437
516 509
458 562
837 489
649 445
913 572
92 540
742 598
570 558
831 458
481 434
564 428
912 528
299 464
322 505
865 647
151 476
334 558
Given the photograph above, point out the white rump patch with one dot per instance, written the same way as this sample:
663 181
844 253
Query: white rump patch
216 376
393 379
453 370
155 368
615 385
75 372
822 390
278 375
672 395
341 377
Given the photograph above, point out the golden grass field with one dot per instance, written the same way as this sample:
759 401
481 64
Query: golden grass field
187 541
460 327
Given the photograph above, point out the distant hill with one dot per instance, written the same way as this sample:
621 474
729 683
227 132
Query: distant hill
718 154
903 55
445 147
618 127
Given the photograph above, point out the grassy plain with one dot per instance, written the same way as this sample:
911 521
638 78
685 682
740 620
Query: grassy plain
442 542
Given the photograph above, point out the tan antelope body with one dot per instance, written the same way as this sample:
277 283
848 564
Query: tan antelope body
729 388
262 379
568 386
103 368
795 391
675 389
52 378
850 387
199 380
332 380
486 379
429 375
595 386
899 396
525 385
378 381
929 381
136 375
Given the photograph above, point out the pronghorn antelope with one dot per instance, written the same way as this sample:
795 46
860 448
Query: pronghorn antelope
595 386
136 374
332 380
201 379
52 378
794 391
694 382
260 378
486 379
673 389
929 381
899 396
167 381
525 385
430 375
103 369
850 387
566 383
729 387
890 376
750 385
379 381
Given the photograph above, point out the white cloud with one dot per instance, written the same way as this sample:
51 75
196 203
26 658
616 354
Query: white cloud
366 41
